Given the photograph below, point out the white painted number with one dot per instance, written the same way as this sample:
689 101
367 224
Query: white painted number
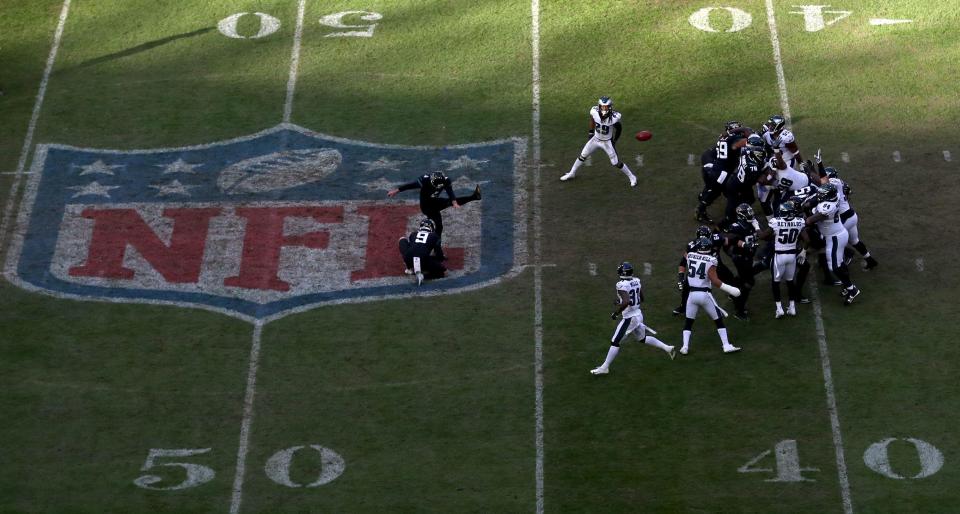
196 473
268 25
336 21
787 463
877 458
740 19
813 19
278 466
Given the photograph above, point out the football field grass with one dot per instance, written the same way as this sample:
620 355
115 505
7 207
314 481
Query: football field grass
481 400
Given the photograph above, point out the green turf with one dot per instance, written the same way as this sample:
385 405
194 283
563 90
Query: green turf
430 401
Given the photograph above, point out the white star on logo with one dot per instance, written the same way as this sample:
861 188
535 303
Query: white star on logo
178 166
93 189
463 162
98 166
173 188
382 164
381 184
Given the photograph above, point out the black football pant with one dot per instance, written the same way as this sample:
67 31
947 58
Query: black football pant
429 265
745 274
431 208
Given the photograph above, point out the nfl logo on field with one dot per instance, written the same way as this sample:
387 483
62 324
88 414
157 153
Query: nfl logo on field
259 226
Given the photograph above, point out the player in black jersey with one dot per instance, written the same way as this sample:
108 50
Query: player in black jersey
422 253
430 186
741 244
718 164
739 187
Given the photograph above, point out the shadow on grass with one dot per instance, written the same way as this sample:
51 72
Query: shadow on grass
142 47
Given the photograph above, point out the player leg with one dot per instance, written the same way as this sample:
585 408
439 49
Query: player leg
588 149
615 161
641 334
433 268
745 276
853 228
691 314
714 312
404 245
789 274
684 292
776 273
623 328
835 246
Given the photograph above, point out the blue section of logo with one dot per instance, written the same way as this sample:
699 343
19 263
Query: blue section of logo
316 168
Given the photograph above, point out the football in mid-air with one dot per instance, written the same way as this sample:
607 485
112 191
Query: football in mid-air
644 135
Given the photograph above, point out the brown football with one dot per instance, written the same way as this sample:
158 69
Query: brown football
644 135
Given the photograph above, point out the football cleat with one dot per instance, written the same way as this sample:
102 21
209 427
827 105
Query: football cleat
702 216
476 192
408 271
633 181
419 279
730 349
851 294
804 300
567 176
599 371
684 350
779 314
678 311
791 311
672 352
870 263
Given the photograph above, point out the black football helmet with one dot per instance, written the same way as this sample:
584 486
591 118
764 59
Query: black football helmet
703 245
827 193
437 179
704 231
787 210
427 225
605 106
744 212
625 270
732 125
776 123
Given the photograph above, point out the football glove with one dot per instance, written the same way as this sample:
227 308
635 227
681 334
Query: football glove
802 256
681 280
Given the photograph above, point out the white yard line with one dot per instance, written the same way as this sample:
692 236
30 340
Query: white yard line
537 268
245 425
815 296
32 127
294 63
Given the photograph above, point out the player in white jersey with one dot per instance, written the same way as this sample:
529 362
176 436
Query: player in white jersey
779 138
605 129
629 296
849 217
786 230
827 218
701 270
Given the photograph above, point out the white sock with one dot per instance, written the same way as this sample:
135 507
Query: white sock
686 338
779 306
792 306
611 354
653 341
576 165
626 170
723 336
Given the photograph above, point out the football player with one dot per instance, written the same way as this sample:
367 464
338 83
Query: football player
430 186
784 180
718 163
740 243
629 297
722 270
827 219
604 132
786 231
701 271
849 217
739 187
422 254
780 139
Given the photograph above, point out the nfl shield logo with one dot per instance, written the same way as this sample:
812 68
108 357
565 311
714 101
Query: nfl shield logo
260 226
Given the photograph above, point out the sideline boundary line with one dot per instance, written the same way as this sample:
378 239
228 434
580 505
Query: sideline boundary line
537 265
815 296
32 126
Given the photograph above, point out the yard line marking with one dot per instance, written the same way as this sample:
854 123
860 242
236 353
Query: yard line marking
640 161
920 264
845 157
896 156
647 269
884 21
946 156
32 127
294 63
592 268
537 269
690 158
817 307
247 419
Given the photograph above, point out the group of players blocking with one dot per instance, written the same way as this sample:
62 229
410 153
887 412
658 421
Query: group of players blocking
806 208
